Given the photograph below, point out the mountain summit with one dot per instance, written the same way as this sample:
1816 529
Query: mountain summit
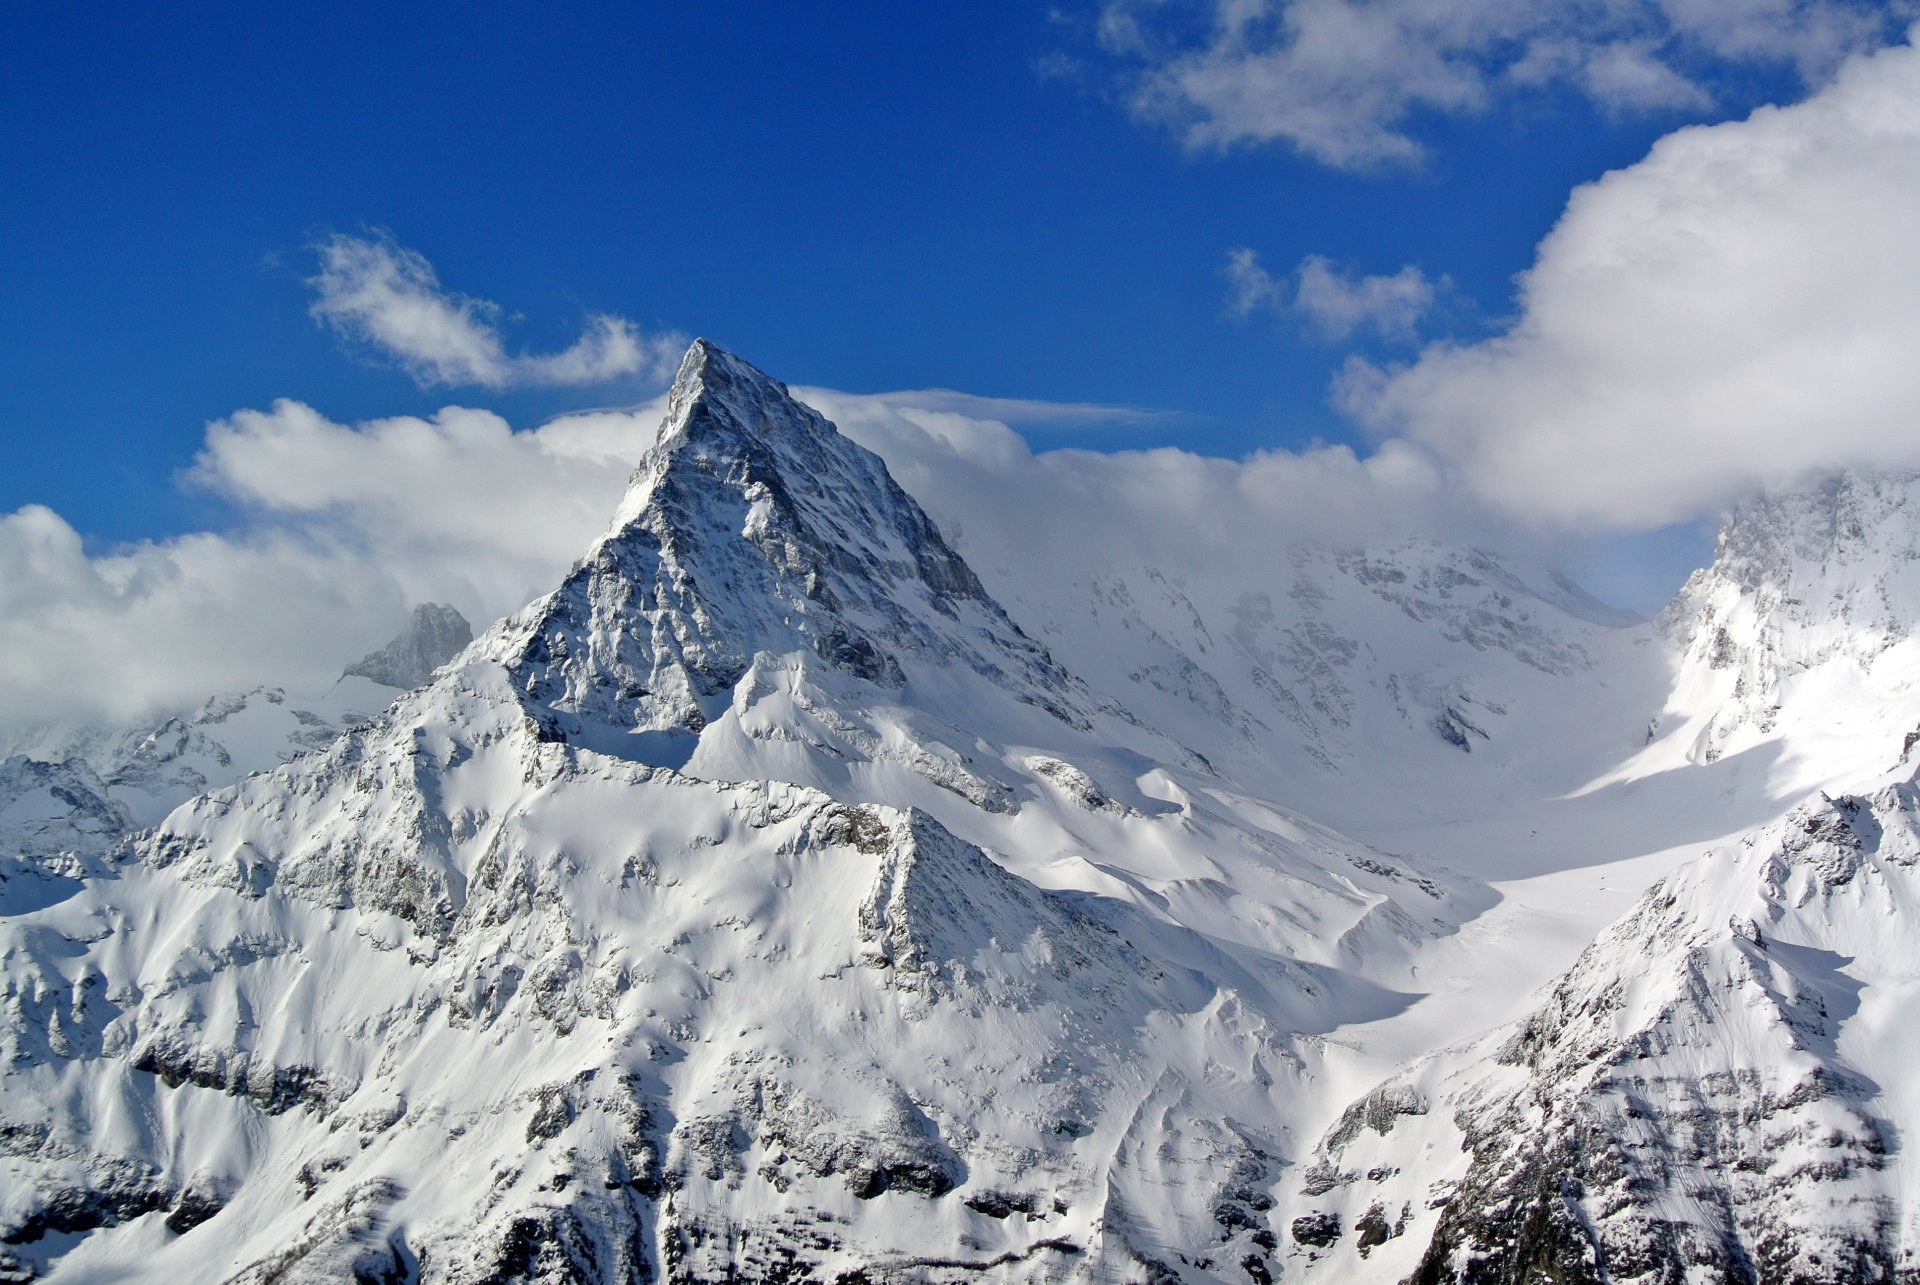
435 633
753 530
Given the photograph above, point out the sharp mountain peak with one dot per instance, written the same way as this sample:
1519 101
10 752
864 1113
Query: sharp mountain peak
753 528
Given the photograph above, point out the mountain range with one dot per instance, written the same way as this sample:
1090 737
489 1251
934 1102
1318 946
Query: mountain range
781 897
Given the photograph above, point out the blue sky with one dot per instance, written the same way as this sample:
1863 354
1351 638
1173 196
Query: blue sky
986 197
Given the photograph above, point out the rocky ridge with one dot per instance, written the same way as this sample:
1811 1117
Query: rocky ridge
434 634
1808 588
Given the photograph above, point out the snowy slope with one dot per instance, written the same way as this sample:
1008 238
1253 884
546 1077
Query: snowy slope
52 810
1336 662
1804 625
1808 689
739 1016
149 770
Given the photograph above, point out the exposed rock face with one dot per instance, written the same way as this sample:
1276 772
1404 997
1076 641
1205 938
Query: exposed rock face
433 636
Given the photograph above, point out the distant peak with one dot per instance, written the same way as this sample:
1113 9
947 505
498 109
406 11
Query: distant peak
434 634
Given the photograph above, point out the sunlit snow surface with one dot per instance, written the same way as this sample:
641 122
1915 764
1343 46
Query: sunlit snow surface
778 894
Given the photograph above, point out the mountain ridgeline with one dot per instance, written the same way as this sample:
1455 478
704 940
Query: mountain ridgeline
770 901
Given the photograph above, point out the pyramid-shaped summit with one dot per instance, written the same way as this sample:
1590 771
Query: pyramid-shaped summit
753 528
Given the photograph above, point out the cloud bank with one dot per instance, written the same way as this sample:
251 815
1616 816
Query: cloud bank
377 293
344 528
1735 311
1346 81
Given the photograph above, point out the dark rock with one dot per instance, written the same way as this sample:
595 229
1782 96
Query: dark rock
195 1206
1317 1229
995 1203
1372 1229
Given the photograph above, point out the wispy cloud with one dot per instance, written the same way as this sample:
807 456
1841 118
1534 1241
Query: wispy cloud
1334 303
376 292
1219 521
1020 410
1346 81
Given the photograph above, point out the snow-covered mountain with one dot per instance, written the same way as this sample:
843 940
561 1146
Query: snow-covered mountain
1804 625
772 901
1337 661
53 811
434 635
1715 1090
800 907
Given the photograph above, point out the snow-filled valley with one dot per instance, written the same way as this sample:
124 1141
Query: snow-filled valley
787 896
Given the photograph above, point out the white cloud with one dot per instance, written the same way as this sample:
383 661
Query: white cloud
381 294
1028 520
461 491
344 529
1620 76
123 634
1254 288
1019 410
1345 81
1335 303
1736 310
